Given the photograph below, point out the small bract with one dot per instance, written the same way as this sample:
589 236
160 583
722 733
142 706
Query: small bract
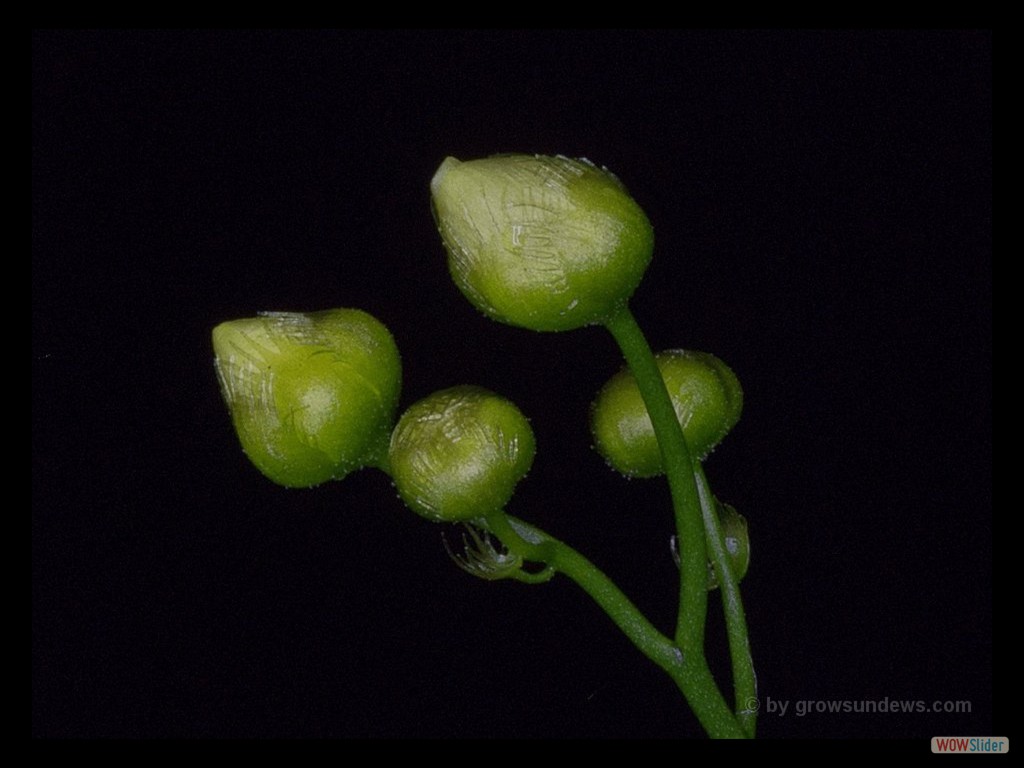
545 243
458 454
312 396
707 399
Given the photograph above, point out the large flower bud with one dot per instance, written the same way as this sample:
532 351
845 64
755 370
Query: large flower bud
705 394
312 396
545 243
458 454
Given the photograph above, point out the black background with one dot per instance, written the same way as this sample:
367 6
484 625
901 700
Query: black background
822 208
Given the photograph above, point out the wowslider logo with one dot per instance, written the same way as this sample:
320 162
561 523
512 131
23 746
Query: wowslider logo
974 744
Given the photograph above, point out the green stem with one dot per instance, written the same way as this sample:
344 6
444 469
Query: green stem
679 470
377 453
531 543
743 678
699 686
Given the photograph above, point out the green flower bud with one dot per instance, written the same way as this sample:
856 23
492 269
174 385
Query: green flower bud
458 454
545 243
737 543
312 396
707 399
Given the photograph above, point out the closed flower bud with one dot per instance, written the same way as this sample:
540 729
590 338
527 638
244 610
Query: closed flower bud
458 454
736 538
707 399
737 543
312 396
545 243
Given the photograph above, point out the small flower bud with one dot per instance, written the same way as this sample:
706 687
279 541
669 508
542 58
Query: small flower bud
458 454
312 396
737 543
545 243
707 399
